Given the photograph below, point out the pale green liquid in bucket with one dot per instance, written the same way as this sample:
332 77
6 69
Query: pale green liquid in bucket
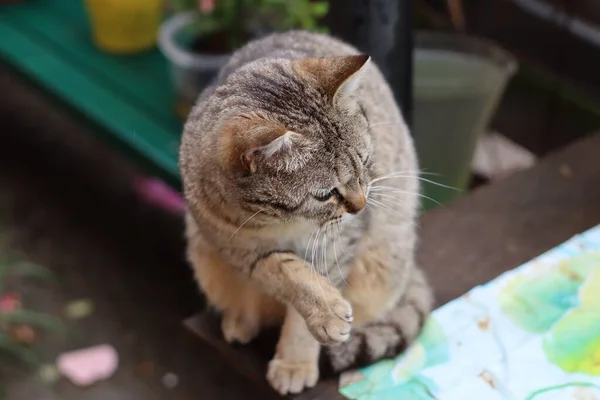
455 96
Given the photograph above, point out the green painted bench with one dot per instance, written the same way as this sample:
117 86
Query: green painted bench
128 100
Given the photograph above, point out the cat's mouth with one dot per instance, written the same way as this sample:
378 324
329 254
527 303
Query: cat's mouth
339 220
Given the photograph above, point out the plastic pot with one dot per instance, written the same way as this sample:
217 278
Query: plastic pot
458 82
125 26
191 71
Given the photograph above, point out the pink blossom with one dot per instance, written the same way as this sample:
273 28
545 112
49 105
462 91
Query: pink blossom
206 6
156 192
9 302
87 366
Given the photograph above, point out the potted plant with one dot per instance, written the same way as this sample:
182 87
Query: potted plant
200 35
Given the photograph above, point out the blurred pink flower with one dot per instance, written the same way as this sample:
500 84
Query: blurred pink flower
206 6
9 302
157 192
87 366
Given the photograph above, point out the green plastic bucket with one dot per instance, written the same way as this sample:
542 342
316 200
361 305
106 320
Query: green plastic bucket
458 82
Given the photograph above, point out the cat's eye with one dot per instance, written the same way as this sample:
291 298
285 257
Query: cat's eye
328 195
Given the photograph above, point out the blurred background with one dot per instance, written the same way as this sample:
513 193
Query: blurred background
94 95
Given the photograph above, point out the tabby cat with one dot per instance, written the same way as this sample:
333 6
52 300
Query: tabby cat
301 185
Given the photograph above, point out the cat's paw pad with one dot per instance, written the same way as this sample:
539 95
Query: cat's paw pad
289 377
331 324
238 329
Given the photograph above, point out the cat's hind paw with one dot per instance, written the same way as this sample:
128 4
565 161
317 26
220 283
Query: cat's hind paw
286 377
238 328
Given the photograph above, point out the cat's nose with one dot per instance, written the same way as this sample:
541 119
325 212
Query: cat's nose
355 204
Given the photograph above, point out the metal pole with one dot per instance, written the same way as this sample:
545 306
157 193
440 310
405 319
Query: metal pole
384 30
401 59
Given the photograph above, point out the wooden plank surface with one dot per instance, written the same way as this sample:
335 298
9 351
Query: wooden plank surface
492 230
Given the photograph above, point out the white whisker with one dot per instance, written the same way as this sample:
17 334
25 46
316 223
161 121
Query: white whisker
371 126
390 201
308 245
423 172
378 193
324 252
244 223
413 222
339 236
439 184
313 274
393 173
313 277
380 204
314 252
384 201
314 248
403 175
390 198
379 189
318 256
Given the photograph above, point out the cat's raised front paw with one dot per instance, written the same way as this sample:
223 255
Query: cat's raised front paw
290 377
332 323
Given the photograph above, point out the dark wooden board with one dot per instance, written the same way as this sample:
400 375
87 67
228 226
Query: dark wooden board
503 225
494 229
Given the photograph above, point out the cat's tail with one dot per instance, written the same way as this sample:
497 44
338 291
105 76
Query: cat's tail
387 337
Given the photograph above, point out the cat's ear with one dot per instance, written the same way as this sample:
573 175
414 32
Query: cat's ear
337 76
250 146
278 153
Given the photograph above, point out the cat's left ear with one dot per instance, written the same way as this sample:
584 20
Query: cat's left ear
249 145
339 77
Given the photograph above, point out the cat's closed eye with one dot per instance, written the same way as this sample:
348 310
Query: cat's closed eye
328 195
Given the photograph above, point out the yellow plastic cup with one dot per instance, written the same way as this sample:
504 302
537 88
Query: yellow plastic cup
125 26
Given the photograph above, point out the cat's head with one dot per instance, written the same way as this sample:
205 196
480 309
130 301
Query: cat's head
296 142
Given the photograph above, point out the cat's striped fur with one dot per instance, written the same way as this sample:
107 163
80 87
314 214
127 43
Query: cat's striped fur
291 117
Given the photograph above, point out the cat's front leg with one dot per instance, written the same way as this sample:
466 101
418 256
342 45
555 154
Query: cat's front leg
289 279
296 362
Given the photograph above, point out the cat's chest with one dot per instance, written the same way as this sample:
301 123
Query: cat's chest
298 243
335 242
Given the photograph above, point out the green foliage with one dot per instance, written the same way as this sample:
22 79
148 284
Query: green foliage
240 18
280 15
20 352
12 269
21 269
184 5
31 318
